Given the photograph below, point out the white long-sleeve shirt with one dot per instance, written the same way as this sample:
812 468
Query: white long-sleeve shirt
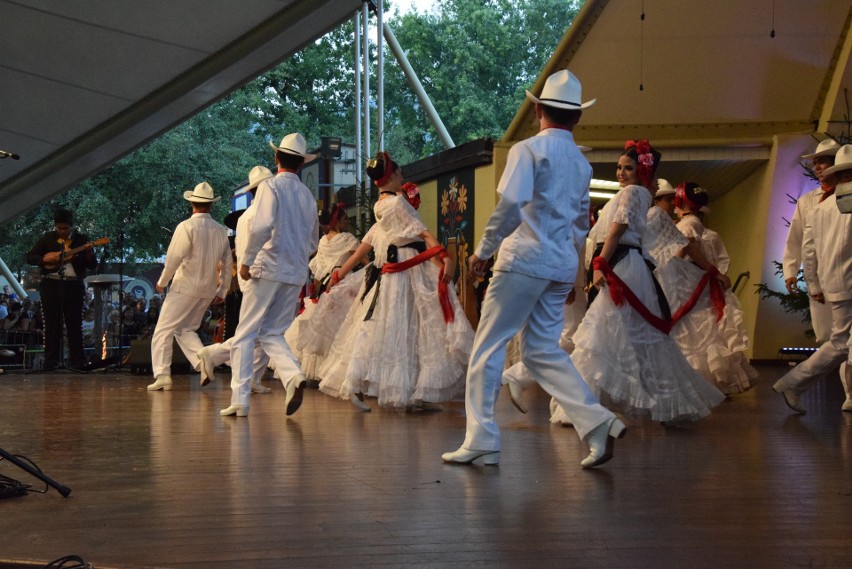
244 224
284 232
714 249
792 259
542 218
827 251
197 247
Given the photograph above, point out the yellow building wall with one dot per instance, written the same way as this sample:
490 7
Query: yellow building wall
429 204
750 219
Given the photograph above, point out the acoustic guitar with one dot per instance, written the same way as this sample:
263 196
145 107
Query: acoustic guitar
68 254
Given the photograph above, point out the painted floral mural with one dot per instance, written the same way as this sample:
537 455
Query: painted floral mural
455 214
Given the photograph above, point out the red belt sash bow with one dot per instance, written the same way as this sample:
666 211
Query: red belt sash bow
443 289
619 292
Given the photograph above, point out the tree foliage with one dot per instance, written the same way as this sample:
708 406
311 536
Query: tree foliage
474 58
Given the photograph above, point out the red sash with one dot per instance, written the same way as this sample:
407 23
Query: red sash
619 292
443 289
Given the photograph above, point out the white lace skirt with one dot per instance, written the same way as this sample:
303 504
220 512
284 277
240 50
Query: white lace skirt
715 349
405 353
633 367
311 335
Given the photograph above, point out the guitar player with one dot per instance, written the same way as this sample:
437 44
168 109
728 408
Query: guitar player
62 288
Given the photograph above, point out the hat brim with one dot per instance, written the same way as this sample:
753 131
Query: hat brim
829 152
250 187
188 196
231 219
664 193
306 156
837 168
560 104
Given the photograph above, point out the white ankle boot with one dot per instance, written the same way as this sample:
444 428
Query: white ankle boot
163 382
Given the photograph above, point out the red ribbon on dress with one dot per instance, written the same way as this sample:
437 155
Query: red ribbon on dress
619 292
717 296
443 289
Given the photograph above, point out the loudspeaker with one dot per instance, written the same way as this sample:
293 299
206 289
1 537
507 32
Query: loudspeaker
140 358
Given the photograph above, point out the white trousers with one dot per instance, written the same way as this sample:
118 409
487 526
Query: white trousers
512 302
180 317
221 354
821 320
829 356
267 310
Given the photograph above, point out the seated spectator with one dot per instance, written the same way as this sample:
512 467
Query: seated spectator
89 328
141 315
130 330
17 319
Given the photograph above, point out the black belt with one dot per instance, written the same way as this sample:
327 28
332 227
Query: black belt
55 277
373 274
620 252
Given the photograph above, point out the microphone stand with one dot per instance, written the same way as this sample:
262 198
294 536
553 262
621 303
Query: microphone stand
64 490
120 363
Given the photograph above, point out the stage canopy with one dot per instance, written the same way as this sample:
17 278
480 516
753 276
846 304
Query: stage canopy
84 83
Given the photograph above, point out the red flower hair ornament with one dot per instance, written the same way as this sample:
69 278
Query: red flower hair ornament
645 166
412 193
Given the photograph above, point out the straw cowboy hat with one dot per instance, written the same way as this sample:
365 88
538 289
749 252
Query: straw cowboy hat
842 160
256 176
828 147
294 143
563 91
202 193
665 189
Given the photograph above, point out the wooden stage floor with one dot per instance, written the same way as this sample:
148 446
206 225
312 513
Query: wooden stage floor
161 480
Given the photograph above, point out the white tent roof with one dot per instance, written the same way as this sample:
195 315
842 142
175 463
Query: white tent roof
84 83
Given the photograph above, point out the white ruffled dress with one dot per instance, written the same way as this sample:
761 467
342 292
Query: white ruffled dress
311 334
715 349
405 354
633 367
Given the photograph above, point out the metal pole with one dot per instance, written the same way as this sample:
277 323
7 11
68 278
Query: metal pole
13 282
380 76
417 87
359 161
366 59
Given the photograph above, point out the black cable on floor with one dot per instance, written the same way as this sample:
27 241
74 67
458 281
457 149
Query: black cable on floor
69 562
11 488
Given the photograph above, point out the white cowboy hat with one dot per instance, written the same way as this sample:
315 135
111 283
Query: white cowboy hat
842 160
563 91
665 189
203 193
294 143
827 147
843 196
256 176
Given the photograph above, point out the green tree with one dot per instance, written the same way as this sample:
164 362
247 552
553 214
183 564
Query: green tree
474 57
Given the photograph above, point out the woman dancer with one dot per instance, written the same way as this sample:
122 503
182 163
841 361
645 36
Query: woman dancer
407 340
311 333
715 347
622 345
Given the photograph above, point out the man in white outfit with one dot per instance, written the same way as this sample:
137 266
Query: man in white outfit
283 235
822 159
539 226
217 354
198 264
827 262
